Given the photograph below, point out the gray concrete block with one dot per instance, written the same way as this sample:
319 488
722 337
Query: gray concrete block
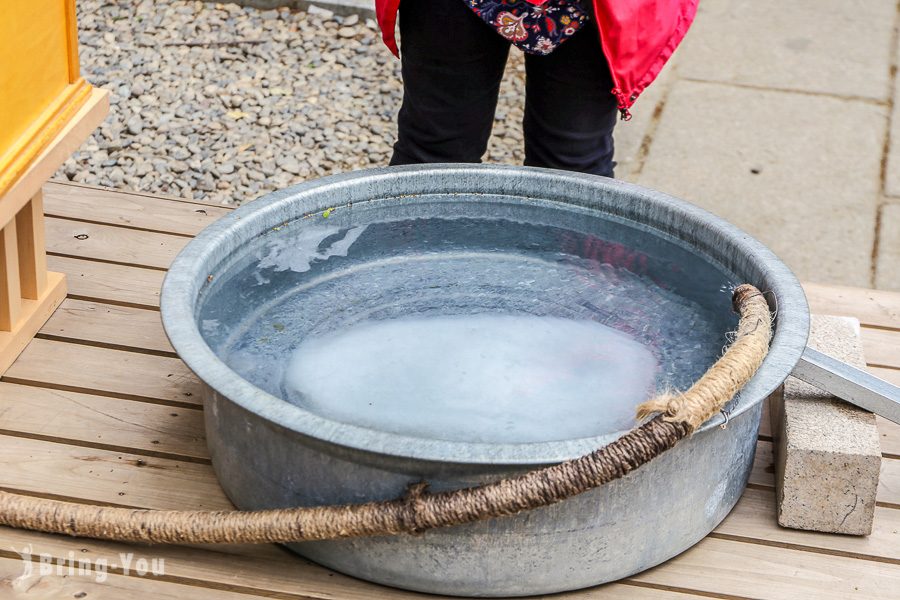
798 171
828 46
887 266
828 456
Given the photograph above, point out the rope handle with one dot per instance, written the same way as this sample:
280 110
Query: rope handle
419 510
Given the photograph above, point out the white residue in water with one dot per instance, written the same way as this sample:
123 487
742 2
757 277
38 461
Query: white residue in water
298 252
209 326
485 378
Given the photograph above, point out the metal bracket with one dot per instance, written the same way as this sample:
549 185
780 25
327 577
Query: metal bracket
849 383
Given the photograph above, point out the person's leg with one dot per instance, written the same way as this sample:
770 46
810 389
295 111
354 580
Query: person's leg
569 110
452 64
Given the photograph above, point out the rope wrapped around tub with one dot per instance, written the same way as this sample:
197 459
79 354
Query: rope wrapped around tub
419 510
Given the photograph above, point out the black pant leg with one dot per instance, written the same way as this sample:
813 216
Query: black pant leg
570 113
452 64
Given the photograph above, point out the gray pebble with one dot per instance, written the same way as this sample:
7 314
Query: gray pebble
135 125
289 164
320 12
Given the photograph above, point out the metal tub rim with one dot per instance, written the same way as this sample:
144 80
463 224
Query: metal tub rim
202 256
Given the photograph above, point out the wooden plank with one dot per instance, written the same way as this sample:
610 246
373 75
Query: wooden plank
110 581
722 568
10 290
294 575
889 483
108 325
99 421
262 568
881 347
890 437
126 209
105 282
105 476
157 196
875 308
113 244
763 472
754 520
32 256
101 583
716 566
105 372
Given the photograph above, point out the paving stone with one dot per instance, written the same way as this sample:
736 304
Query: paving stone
887 270
828 456
830 46
800 172
892 172
629 135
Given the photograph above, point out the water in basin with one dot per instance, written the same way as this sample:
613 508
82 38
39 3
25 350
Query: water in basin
485 377
460 321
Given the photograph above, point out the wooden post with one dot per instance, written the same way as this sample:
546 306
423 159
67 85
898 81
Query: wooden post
10 292
32 256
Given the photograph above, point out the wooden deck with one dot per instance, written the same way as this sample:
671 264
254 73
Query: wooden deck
99 409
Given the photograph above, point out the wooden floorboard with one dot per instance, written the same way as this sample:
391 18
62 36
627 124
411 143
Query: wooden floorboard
756 571
116 245
125 209
875 308
99 410
880 347
277 574
105 372
753 520
108 325
85 580
106 476
114 284
100 421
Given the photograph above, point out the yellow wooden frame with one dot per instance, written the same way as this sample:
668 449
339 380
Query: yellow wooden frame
50 127
15 160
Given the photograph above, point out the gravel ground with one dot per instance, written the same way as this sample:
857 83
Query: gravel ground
225 103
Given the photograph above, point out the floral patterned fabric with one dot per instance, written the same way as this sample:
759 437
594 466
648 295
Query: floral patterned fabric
535 26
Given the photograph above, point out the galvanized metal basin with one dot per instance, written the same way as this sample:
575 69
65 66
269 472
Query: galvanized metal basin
233 288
